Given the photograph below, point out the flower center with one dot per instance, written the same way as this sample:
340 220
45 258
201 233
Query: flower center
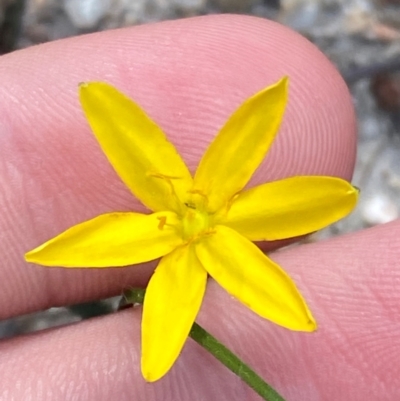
195 222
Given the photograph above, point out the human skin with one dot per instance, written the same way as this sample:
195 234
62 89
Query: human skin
189 75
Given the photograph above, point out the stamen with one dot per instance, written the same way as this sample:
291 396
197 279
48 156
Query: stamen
210 231
202 194
168 179
190 205
162 176
197 237
162 223
230 201
198 192
165 178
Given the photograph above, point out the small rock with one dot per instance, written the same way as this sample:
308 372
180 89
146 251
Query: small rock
370 128
86 14
388 2
232 6
386 89
300 14
132 11
189 6
379 209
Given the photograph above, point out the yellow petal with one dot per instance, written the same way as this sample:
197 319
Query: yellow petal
136 147
173 299
114 239
291 207
241 145
254 279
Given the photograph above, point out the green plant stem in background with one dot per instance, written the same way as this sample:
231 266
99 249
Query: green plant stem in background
223 354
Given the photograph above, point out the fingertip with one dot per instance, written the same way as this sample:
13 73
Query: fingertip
189 75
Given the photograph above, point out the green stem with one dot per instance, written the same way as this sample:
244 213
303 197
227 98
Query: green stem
233 363
223 354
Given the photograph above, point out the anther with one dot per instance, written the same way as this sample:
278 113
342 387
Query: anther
168 179
190 205
200 193
162 223
162 176
230 201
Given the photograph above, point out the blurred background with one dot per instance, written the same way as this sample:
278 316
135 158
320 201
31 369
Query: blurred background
361 37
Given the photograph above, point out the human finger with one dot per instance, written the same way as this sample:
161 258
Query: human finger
351 284
189 76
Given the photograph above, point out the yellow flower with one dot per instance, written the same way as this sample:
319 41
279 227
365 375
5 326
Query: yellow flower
201 225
